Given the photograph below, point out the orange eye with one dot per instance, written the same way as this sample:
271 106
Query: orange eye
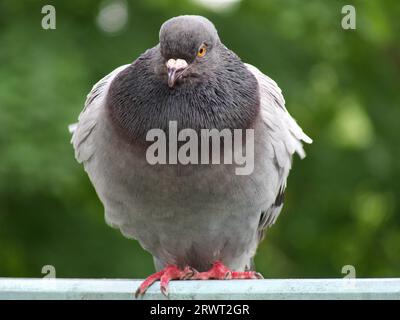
202 51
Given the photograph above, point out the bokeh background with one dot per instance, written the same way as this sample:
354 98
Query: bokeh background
342 204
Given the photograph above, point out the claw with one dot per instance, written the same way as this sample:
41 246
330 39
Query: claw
147 283
164 290
188 273
137 293
228 275
167 274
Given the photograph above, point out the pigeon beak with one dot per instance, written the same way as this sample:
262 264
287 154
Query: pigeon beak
175 69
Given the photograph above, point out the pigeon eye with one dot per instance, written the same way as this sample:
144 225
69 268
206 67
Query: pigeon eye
202 51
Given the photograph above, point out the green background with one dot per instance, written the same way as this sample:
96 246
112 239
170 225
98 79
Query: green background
342 203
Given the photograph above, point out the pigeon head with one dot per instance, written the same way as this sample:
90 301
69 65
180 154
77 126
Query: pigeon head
186 44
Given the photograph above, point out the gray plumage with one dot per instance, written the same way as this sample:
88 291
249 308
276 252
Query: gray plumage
195 214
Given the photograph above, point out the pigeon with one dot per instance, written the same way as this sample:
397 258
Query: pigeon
198 221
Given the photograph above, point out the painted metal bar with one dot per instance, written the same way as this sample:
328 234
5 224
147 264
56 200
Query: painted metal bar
78 289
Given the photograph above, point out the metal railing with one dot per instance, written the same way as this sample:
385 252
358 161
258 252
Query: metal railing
78 289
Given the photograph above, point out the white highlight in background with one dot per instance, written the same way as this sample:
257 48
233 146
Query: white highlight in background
113 16
218 5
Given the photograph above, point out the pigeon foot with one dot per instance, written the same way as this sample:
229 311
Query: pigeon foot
221 272
170 272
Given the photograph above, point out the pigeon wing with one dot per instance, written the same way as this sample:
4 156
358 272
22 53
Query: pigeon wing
285 138
82 137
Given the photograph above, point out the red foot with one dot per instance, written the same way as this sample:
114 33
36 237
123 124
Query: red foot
170 272
221 272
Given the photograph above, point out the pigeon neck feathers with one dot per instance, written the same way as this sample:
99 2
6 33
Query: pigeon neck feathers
223 96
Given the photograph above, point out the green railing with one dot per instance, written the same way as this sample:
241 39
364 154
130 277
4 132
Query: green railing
78 289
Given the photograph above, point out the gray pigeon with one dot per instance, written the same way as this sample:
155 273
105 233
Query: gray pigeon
198 221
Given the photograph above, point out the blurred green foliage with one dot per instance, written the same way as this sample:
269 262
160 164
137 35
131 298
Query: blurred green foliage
343 200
